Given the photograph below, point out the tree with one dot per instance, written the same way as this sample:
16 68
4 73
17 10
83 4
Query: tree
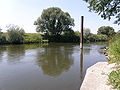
106 8
54 21
0 30
15 34
106 30
86 34
118 31
86 31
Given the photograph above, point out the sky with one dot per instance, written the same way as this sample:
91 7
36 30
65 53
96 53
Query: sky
24 12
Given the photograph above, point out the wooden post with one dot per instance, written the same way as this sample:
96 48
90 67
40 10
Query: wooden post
81 34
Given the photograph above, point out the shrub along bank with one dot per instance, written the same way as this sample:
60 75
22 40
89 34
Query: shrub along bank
15 38
33 38
18 37
114 56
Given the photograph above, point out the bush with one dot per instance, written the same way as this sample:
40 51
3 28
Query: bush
71 37
33 38
3 38
102 37
97 38
15 34
66 37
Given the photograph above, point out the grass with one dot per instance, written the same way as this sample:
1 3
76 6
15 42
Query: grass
114 49
114 79
114 57
34 38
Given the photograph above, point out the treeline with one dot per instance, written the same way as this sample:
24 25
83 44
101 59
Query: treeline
104 33
17 35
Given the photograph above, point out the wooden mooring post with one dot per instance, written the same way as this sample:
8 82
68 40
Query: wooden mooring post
81 34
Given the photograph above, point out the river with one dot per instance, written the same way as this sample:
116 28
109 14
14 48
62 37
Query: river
54 66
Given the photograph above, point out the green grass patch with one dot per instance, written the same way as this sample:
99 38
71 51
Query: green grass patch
114 79
114 57
34 38
114 49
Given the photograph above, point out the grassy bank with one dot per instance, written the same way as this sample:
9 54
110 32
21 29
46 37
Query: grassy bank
34 38
114 57
26 38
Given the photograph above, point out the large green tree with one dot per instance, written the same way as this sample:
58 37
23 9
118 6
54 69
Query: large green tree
54 21
106 8
106 30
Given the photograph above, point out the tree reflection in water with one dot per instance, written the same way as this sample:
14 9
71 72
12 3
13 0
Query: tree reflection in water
2 51
56 59
15 53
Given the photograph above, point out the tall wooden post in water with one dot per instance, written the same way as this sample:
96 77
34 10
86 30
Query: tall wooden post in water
81 34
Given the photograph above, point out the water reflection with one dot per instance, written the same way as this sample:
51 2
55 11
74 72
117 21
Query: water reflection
15 53
37 63
81 64
2 50
55 60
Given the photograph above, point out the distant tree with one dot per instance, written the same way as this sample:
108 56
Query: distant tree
102 37
97 38
86 31
106 8
86 34
15 34
0 30
118 31
77 33
54 21
106 30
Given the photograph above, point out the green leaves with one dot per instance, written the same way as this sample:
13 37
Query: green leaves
106 8
54 21
15 34
106 30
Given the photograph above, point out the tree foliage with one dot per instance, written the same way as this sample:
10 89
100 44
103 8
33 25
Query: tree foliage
86 34
15 34
106 30
54 21
106 8
97 38
3 39
86 31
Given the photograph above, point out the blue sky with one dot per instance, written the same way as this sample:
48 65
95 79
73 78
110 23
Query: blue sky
24 12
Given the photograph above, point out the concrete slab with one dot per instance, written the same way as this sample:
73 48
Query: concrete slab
96 77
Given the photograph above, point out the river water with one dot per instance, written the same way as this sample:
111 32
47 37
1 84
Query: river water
54 66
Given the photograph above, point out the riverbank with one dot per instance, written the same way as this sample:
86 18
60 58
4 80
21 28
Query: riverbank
96 77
